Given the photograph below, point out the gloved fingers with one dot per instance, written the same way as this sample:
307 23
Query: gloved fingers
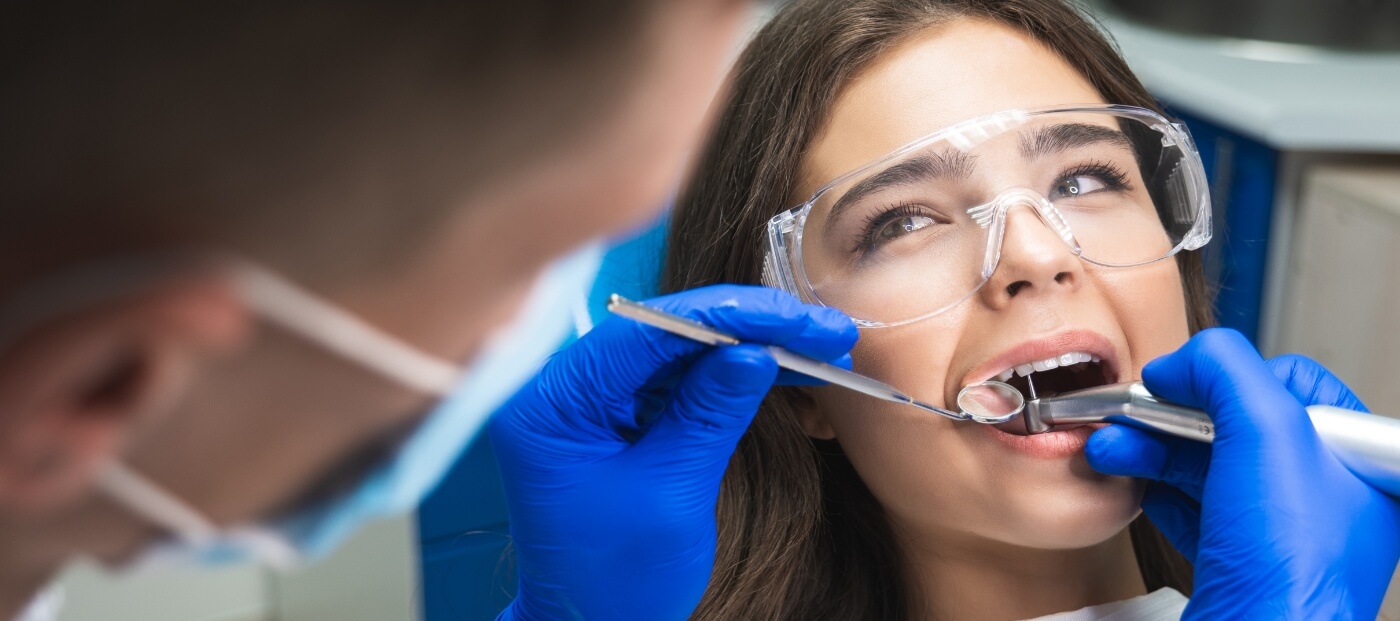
620 356
1312 384
712 407
1176 515
767 316
1126 451
655 395
1219 371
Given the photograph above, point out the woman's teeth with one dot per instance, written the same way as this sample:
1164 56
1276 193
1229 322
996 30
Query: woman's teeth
1062 360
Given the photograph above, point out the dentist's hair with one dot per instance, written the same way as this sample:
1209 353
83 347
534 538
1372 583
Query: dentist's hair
325 133
800 535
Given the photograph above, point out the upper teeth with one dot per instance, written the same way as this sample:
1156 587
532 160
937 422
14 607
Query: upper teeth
1062 360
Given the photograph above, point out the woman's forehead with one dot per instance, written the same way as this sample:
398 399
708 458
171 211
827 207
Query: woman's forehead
947 74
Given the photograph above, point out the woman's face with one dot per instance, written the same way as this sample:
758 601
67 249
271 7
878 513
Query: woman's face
960 482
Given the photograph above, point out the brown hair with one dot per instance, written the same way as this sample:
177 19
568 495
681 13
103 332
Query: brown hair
344 128
800 535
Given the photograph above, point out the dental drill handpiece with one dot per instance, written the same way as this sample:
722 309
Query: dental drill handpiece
1368 444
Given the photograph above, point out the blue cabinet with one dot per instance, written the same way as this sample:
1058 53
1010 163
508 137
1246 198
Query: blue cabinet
463 533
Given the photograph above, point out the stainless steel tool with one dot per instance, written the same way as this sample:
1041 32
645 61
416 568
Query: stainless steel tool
1367 444
988 402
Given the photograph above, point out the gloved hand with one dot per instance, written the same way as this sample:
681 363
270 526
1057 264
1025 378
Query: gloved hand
612 457
1276 526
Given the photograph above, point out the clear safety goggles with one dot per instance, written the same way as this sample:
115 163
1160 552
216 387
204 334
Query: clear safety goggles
919 230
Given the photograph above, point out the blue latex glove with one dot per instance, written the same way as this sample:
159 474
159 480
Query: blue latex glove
1276 526
612 457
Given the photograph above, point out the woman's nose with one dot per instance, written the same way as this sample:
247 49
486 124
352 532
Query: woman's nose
1035 261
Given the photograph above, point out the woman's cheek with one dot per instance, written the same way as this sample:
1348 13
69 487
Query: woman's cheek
1150 306
913 358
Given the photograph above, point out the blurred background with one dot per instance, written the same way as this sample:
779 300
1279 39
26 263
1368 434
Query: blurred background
1295 107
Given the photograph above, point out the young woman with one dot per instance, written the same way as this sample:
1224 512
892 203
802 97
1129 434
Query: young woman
951 175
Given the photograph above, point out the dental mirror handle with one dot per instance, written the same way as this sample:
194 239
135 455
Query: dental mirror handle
850 379
831 373
1367 444
786 359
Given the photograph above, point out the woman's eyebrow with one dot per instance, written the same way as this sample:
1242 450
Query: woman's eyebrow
950 163
1043 141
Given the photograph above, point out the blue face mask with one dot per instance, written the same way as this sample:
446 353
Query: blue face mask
511 357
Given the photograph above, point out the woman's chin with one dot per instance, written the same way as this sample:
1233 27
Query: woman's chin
1069 514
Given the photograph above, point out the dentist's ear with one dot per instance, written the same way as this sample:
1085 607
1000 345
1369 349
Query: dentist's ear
73 391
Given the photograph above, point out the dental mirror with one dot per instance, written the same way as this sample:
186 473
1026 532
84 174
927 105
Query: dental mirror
991 402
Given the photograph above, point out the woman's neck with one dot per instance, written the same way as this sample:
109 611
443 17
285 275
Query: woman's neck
983 579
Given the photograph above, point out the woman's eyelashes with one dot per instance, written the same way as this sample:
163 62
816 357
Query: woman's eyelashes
891 224
1087 179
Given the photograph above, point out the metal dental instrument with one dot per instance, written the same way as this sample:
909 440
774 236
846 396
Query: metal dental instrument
988 402
1368 444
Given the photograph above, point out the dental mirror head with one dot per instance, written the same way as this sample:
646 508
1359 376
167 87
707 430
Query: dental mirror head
991 402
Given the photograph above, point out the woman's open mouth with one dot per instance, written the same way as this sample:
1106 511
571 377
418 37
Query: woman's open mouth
1059 374
1047 368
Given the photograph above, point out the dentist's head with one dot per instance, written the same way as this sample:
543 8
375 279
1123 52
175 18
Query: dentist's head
260 262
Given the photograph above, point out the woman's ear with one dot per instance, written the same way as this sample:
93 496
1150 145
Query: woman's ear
74 390
812 418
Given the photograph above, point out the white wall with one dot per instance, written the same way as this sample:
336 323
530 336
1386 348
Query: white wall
1341 292
237 594
374 577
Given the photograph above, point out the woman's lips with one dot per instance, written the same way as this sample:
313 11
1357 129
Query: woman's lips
1085 341
1050 445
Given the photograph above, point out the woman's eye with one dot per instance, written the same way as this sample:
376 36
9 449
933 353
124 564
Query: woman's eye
888 227
903 226
1077 185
